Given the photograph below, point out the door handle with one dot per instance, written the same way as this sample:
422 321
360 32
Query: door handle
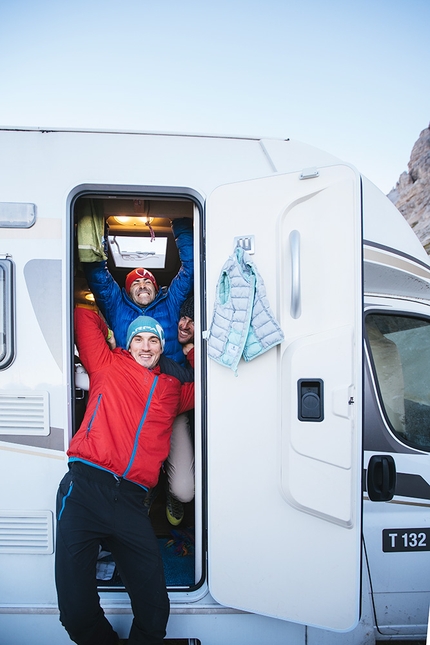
296 305
381 478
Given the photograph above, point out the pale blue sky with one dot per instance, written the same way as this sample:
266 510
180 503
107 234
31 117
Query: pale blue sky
348 77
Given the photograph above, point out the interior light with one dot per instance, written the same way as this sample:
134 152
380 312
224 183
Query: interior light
89 296
142 220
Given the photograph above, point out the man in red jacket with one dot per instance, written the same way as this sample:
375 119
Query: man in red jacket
114 459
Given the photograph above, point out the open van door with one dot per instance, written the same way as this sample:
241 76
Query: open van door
284 434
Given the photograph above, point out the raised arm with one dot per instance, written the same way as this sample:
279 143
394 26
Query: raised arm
106 290
90 336
183 283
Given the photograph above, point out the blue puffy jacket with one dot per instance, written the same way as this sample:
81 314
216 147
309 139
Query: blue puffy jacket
119 310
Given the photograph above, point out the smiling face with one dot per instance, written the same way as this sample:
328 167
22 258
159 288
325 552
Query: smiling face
185 330
142 292
146 349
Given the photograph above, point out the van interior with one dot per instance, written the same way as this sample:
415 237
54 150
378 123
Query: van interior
137 233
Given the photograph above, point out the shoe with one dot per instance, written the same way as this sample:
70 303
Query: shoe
150 497
174 509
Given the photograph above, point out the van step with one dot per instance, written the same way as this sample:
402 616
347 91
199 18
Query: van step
182 641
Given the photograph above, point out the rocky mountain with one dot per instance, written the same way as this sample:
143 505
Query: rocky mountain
411 195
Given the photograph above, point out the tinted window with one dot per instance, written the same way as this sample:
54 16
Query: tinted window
6 314
400 350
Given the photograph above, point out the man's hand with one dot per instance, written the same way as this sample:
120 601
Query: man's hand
111 339
186 348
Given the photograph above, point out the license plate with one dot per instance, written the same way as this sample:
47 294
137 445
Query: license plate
394 540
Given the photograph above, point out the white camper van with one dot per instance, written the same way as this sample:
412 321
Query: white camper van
310 521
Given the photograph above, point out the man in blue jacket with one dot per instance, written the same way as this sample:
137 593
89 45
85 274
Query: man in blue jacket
142 295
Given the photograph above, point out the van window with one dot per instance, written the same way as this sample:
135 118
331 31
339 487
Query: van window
400 351
6 314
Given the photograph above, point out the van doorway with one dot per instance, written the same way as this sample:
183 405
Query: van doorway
137 230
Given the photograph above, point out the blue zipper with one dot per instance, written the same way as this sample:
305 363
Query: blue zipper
63 505
93 416
139 429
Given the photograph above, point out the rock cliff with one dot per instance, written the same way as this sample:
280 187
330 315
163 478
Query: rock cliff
411 195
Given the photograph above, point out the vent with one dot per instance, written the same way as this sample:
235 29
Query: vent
26 532
24 413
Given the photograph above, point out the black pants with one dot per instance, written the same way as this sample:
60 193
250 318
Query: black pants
93 506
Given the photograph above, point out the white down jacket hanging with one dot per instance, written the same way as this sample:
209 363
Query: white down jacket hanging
243 323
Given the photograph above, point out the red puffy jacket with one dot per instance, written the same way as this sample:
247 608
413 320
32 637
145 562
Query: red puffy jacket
128 421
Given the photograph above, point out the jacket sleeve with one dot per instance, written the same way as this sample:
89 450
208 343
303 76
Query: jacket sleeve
190 358
187 398
90 337
183 283
184 373
106 290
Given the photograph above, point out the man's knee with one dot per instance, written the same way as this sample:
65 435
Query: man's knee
182 488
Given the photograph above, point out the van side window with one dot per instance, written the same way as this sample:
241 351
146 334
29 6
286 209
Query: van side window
6 314
400 350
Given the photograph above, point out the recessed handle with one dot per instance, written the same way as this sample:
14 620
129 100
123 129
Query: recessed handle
296 296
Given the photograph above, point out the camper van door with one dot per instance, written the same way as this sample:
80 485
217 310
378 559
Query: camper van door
284 477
